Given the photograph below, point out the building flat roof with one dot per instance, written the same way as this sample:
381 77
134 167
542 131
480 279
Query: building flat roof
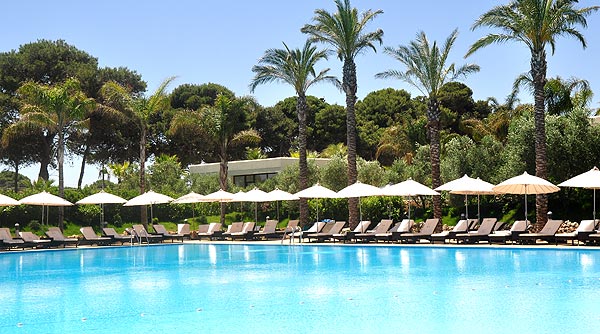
248 167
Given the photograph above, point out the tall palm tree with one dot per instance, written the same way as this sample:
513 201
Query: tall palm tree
344 32
60 109
537 24
427 69
296 68
221 126
140 108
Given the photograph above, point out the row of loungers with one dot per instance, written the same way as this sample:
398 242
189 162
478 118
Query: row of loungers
55 237
490 230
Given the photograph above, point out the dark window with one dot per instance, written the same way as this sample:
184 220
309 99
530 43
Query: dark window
246 180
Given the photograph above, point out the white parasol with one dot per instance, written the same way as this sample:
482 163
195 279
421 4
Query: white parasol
8 201
409 188
525 184
149 198
102 198
587 180
280 195
45 199
468 186
359 189
317 191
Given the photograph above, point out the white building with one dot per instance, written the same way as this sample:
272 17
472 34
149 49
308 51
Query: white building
248 172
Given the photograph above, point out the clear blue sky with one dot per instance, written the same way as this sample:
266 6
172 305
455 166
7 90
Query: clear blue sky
220 41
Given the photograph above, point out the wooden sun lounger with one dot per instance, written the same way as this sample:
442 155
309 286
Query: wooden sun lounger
460 227
546 234
247 232
34 240
59 239
161 230
396 231
90 237
581 234
425 233
482 233
143 236
210 231
362 227
268 231
383 227
502 236
336 228
7 241
116 237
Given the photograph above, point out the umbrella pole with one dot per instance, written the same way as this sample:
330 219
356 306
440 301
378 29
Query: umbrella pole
256 212
526 221
594 205
478 210
408 207
466 207
360 208
277 203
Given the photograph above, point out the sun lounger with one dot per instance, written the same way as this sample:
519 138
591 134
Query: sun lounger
383 227
33 240
59 239
7 241
315 228
362 227
425 233
336 228
247 232
90 237
116 237
213 231
268 231
546 234
184 229
502 236
396 231
482 233
460 227
161 230
581 234
235 227
143 236
473 224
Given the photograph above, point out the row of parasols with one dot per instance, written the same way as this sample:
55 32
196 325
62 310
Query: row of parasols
524 184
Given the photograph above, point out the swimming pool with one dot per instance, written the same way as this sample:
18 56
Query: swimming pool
203 288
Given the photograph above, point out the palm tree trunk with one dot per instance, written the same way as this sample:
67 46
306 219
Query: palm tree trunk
61 176
538 73
16 178
223 171
143 210
86 152
350 86
434 139
301 109
46 156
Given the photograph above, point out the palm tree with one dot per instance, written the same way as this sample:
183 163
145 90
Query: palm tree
59 109
427 70
221 126
296 68
140 108
537 24
344 32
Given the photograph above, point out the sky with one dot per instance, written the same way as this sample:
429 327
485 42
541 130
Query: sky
201 41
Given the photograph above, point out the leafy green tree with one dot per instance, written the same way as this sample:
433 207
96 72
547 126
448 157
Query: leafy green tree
344 32
297 69
166 176
222 127
60 109
192 97
378 111
329 127
275 129
428 71
537 24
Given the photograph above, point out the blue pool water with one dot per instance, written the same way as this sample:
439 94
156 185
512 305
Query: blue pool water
202 288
